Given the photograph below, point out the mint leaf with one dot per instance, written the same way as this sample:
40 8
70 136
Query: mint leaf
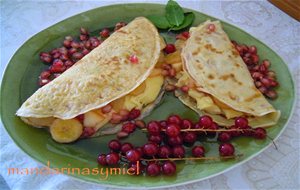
159 21
174 13
188 20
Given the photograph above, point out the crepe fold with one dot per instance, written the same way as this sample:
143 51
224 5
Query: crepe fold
213 63
102 76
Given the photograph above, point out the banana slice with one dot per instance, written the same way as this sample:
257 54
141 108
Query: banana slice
66 131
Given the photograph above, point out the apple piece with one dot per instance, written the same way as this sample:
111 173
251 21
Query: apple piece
91 119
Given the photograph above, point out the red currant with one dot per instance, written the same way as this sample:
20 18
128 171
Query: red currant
150 149
155 139
114 145
102 159
112 158
224 137
133 155
178 151
198 151
241 122
189 137
226 149
170 48
173 141
172 130
174 119
260 133
205 121
153 169
126 147
169 168
164 151
186 124
153 128
186 34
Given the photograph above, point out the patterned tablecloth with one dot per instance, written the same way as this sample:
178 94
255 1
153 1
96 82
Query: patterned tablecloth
272 169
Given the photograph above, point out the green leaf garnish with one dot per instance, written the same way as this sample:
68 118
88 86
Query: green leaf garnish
159 21
174 19
174 13
188 20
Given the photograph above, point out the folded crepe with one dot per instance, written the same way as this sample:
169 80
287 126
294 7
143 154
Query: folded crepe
105 76
221 84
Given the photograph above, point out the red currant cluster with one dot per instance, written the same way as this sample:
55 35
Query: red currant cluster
241 128
128 153
167 140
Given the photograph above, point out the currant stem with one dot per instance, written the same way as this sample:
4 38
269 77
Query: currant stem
209 130
194 158
273 142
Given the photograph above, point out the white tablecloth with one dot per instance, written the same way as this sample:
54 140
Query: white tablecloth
272 169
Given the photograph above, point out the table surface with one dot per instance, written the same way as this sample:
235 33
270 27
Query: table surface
272 169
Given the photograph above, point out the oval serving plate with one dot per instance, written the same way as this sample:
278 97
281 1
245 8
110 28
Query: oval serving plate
20 81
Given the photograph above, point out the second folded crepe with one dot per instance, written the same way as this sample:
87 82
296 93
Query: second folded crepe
224 88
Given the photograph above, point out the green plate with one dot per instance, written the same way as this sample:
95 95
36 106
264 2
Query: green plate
20 81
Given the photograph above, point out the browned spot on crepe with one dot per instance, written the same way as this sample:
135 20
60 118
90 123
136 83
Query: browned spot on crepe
235 53
231 96
250 98
211 48
196 52
210 76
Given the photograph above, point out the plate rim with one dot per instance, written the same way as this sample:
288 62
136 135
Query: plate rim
86 180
